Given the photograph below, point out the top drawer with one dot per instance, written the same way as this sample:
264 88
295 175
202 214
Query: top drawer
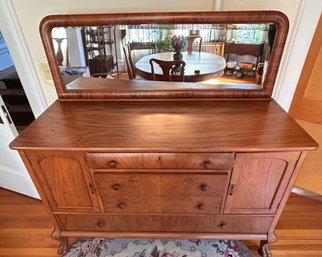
216 161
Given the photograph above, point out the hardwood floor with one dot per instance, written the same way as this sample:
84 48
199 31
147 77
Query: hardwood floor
25 227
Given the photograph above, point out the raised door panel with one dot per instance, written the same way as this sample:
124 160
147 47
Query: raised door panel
65 180
259 181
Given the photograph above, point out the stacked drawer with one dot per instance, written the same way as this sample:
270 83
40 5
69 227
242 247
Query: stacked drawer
161 183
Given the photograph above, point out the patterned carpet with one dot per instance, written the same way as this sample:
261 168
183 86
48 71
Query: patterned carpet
103 247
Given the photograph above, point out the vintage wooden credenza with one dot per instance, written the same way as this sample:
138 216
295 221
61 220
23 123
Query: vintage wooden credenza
149 159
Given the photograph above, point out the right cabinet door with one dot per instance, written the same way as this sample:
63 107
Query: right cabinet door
259 181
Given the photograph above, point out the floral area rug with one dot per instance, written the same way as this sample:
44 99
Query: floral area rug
117 247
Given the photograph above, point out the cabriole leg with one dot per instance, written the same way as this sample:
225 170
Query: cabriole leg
63 247
264 249
264 245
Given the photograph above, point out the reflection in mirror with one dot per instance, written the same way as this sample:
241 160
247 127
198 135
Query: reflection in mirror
212 53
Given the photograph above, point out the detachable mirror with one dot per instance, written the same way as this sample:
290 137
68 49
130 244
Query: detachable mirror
215 54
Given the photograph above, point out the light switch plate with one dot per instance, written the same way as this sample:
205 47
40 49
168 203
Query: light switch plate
44 71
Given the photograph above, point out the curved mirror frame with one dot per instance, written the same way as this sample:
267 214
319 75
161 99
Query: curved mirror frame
94 88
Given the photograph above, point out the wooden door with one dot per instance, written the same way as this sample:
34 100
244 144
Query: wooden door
65 180
258 182
306 108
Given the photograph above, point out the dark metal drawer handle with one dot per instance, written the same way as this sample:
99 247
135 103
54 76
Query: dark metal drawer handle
201 207
207 164
91 188
116 187
204 187
112 164
222 224
121 206
100 223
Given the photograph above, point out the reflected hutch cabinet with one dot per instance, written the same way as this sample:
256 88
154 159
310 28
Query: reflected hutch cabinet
161 159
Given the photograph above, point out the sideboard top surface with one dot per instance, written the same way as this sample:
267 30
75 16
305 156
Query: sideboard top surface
165 126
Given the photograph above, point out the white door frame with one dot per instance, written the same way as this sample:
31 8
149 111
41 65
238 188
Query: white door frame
295 54
19 51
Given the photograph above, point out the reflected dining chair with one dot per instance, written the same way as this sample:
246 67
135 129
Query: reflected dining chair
140 49
190 43
169 69
128 60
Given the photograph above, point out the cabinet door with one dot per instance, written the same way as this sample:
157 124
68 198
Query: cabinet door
65 180
259 181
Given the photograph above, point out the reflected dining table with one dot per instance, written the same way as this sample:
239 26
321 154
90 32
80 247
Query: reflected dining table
200 66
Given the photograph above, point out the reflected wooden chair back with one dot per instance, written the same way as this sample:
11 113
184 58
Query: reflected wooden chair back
169 69
140 49
128 60
190 43
142 46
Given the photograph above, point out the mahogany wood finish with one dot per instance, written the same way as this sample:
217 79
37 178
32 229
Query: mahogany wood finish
170 223
170 193
164 168
219 161
255 193
175 184
279 19
165 127
151 90
167 67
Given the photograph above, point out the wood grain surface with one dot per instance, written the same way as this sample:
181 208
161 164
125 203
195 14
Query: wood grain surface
261 180
165 223
155 161
187 126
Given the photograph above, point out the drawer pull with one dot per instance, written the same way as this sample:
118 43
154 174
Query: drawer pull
100 223
204 187
121 206
91 188
222 224
116 187
201 207
207 164
232 188
112 164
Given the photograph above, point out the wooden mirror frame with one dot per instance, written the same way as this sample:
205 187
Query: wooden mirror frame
135 89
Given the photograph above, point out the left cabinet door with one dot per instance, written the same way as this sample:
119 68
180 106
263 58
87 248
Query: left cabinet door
65 180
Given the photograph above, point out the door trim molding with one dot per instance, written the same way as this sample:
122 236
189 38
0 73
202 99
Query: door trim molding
19 51
298 45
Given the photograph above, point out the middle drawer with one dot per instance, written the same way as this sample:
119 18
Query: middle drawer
162 193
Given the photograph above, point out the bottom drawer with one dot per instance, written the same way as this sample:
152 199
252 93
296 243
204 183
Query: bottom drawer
165 223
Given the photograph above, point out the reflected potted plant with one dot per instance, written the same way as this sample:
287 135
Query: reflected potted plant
163 42
179 43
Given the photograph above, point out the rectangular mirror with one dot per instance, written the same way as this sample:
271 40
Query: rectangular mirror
214 54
